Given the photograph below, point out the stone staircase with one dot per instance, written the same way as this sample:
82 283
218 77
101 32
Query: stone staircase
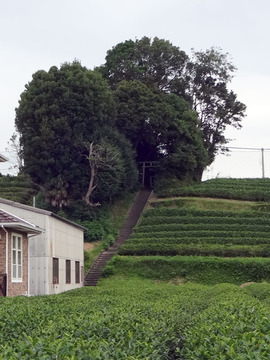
94 273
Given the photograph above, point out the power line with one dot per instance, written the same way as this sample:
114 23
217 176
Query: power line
247 148
262 150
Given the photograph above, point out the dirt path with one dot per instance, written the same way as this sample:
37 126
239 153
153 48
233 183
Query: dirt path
89 246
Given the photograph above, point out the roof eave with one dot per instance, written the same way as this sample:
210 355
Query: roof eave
21 227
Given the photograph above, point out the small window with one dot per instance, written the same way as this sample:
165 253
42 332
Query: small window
77 272
55 271
16 258
68 272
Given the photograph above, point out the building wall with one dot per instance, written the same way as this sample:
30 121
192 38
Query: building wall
59 239
2 251
18 288
14 288
66 243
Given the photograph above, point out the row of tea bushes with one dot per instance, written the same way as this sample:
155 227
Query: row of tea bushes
236 329
139 319
179 212
195 250
227 188
173 238
202 226
177 231
200 269
121 321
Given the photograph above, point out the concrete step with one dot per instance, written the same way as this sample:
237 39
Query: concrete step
94 273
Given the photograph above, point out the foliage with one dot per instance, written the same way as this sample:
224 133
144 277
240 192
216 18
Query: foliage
14 151
138 319
200 203
106 160
60 113
95 229
238 329
160 127
157 63
108 241
202 80
208 270
110 323
208 75
183 231
119 177
173 248
227 188
17 188
91 255
107 220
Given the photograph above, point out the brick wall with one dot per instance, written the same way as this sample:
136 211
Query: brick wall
2 251
18 288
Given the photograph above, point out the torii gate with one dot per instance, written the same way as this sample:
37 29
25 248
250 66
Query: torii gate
147 178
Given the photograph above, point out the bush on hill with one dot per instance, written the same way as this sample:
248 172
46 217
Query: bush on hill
241 189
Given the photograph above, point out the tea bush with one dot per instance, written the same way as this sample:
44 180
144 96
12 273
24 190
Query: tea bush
123 320
242 189
205 270
236 329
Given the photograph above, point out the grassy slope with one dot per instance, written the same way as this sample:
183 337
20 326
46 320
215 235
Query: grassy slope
114 220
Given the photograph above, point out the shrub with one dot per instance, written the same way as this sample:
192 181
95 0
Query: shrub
235 329
206 270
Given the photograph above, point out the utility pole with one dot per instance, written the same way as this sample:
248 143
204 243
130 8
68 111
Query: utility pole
262 149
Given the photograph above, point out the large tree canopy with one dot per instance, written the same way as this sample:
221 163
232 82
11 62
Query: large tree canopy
81 130
60 113
161 127
208 74
201 79
155 62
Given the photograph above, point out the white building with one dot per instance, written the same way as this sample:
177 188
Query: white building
56 256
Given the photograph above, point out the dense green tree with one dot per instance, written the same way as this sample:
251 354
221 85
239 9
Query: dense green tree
161 127
112 167
202 80
208 74
140 117
60 113
155 62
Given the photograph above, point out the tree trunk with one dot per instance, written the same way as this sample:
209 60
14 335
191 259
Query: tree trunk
91 187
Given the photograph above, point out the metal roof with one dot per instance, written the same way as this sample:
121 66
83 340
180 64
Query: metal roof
8 220
39 211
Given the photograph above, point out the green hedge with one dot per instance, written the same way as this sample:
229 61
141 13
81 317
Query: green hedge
163 238
233 329
204 233
241 189
181 227
226 250
161 212
205 270
153 220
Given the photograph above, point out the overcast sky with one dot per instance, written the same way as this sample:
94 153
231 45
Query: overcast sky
38 34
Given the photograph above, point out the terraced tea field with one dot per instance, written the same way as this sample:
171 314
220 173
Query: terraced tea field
177 231
172 292
203 240
138 320
241 189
